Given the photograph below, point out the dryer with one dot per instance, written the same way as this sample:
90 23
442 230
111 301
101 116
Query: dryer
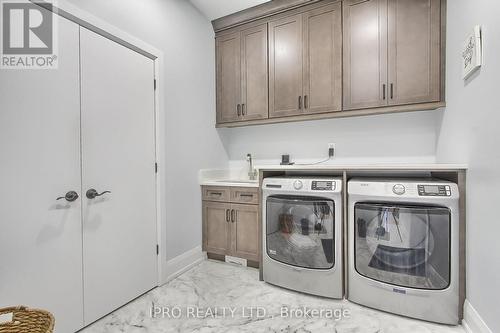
403 251
302 234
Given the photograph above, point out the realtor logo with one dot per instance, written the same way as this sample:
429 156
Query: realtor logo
27 35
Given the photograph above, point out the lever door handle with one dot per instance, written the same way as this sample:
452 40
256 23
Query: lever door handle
69 197
92 194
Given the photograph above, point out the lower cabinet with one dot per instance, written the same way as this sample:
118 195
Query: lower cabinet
231 227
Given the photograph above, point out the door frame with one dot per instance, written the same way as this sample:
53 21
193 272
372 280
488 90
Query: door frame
101 27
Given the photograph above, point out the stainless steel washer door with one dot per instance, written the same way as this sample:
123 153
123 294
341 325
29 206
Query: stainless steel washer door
403 245
300 231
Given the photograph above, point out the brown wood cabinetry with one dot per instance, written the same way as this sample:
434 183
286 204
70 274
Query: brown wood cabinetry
325 58
305 62
392 52
242 79
231 227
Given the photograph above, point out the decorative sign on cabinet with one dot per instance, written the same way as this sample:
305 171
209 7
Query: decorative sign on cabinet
312 59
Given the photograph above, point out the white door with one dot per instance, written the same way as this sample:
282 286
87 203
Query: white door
118 155
41 237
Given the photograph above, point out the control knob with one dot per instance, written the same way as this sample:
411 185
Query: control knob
297 185
399 189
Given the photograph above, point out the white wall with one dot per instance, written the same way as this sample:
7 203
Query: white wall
408 137
188 92
468 133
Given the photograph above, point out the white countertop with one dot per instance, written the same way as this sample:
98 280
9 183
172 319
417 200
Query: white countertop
354 167
239 178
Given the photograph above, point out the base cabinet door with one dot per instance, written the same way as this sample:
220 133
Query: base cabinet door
414 51
285 67
216 227
365 53
323 59
228 53
244 231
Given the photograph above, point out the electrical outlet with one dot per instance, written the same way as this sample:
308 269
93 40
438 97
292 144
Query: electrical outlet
331 149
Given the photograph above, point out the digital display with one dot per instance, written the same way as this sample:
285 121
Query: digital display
323 184
431 189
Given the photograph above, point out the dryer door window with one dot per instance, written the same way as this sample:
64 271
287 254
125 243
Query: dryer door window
301 231
403 245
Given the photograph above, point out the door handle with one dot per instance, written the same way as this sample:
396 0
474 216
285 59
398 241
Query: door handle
300 102
92 194
227 215
69 197
243 109
305 102
232 216
383 92
392 90
238 108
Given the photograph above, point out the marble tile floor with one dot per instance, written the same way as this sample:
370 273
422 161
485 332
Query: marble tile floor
196 301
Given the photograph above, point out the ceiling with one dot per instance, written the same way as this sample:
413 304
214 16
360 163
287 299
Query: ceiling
214 9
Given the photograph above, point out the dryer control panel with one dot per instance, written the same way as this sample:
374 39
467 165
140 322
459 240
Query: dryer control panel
434 190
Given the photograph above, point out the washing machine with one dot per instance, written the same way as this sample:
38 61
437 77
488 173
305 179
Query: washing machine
403 247
302 234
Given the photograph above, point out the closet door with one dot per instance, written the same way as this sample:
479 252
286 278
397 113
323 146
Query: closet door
118 155
285 67
414 51
40 237
323 59
365 53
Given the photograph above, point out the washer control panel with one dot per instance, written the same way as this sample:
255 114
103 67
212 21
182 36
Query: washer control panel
322 185
434 190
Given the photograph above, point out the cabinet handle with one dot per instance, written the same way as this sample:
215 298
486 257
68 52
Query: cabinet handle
383 92
227 215
238 108
243 109
392 90
300 102
216 193
305 102
232 215
246 195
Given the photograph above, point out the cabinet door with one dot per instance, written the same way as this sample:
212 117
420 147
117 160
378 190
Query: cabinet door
285 67
228 51
41 237
365 53
245 231
414 51
118 122
216 227
254 78
323 59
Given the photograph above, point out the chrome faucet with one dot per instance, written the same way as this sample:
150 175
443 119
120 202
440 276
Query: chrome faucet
252 173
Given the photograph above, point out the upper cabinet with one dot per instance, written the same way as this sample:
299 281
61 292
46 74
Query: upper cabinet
329 59
392 52
242 92
414 56
323 59
285 66
305 53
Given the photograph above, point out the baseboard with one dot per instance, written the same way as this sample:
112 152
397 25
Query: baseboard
473 323
183 263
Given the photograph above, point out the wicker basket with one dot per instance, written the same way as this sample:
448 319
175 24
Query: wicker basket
26 320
